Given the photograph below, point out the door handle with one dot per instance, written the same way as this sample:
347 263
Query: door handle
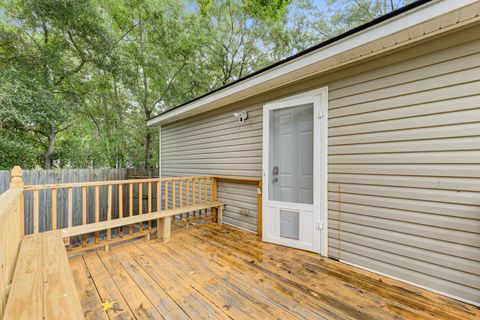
275 179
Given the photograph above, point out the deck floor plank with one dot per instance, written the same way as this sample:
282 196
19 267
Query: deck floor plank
87 292
220 272
400 297
166 305
107 288
229 294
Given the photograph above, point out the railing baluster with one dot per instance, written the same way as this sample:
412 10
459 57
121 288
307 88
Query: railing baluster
166 195
180 201
149 207
174 201
70 211
187 203
35 212
84 213
109 215
130 206
54 209
120 206
97 210
140 204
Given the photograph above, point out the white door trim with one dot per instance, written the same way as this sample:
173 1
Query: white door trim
319 97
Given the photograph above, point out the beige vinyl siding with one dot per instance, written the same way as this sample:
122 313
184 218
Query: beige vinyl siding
404 148
214 143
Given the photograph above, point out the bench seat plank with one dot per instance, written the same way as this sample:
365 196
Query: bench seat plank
42 286
25 300
92 227
60 294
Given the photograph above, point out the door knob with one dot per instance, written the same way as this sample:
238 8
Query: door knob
275 179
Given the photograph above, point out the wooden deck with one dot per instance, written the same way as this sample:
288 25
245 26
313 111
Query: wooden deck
214 272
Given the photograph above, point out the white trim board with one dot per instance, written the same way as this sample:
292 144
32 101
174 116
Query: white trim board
412 283
370 40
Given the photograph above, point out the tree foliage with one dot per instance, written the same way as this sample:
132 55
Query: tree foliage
78 79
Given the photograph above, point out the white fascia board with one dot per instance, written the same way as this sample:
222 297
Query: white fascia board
386 28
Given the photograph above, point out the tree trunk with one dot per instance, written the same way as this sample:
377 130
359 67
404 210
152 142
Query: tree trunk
48 161
148 139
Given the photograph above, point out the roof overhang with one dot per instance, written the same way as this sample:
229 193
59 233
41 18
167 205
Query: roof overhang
403 28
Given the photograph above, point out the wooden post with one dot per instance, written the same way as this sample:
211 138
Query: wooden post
220 215
97 210
149 208
35 212
130 207
120 206
163 230
109 215
54 209
84 213
69 212
140 204
187 203
259 209
214 196
17 181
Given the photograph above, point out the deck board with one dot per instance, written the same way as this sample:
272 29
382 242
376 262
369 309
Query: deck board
220 272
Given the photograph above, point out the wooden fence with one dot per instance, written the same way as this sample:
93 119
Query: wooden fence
36 177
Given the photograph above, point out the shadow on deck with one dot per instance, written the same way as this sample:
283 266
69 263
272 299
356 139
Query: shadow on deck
215 272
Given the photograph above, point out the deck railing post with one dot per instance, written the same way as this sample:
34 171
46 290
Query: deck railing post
16 181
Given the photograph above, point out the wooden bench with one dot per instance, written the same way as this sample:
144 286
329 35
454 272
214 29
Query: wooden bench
162 217
42 286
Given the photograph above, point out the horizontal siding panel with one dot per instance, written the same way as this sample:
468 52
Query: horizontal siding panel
200 156
417 241
238 149
212 160
395 258
218 143
446 222
240 223
440 57
443 119
437 107
451 278
437 170
206 120
451 131
231 128
441 183
458 197
447 235
414 74
458 90
447 209
221 138
423 279
213 172
429 84
447 157
454 144
456 263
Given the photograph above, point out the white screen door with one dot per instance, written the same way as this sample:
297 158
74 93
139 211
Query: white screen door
294 171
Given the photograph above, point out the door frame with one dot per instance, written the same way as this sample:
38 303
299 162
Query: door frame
320 156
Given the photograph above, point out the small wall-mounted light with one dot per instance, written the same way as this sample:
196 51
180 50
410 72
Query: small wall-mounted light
241 116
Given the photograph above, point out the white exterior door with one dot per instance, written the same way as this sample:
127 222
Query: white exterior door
294 171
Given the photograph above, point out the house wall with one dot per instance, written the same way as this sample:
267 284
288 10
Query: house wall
404 148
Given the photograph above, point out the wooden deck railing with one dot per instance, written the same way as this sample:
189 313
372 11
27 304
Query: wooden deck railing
140 207
11 232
